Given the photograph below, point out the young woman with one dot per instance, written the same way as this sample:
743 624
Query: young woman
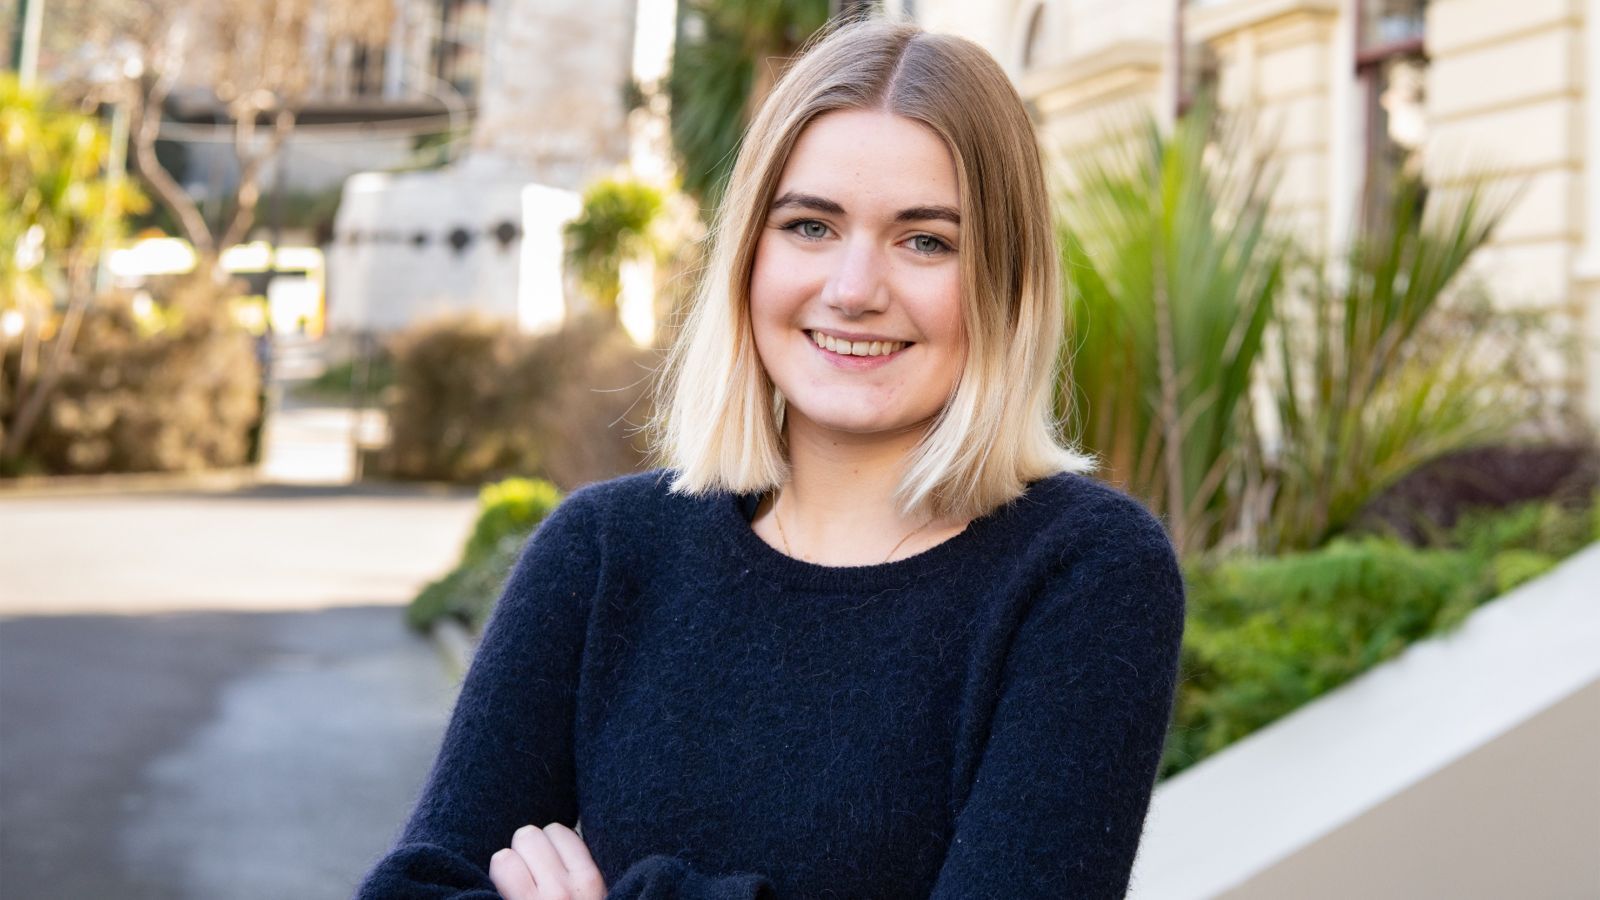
871 632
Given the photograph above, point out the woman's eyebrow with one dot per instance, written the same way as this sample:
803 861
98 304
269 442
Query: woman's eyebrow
924 213
823 204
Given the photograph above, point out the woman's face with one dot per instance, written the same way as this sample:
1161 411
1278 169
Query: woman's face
855 296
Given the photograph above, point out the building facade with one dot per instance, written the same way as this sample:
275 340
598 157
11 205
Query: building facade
1354 90
485 233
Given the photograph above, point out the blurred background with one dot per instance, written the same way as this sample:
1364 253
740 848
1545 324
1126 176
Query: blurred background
311 310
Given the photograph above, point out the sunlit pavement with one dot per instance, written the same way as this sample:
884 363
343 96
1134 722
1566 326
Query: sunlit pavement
214 694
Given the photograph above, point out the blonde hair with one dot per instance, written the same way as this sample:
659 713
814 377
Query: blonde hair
720 423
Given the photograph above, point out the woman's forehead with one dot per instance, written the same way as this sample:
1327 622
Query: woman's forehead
870 162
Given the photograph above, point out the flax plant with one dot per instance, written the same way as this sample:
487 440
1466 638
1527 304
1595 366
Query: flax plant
1389 365
1170 272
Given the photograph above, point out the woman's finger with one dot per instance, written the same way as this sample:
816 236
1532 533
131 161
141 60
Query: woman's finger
583 875
511 876
549 872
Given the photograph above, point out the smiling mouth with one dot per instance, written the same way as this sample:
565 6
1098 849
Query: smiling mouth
856 348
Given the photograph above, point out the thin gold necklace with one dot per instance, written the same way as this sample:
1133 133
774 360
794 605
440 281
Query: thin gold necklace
790 552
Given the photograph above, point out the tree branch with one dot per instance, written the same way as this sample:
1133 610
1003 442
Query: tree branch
250 164
166 188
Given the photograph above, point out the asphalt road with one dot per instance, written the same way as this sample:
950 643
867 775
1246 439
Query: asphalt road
214 696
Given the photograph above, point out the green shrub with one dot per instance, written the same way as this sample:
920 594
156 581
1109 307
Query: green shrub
1550 528
1510 568
468 592
1267 635
508 511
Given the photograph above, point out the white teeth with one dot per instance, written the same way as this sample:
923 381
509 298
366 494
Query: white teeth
856 348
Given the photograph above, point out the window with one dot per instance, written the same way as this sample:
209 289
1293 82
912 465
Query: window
458 51
1391 69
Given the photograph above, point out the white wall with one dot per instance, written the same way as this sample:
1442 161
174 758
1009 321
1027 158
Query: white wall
1468 767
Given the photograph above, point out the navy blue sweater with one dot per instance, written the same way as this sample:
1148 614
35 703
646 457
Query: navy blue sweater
982 719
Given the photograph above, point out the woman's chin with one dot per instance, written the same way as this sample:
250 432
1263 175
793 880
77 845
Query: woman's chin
863 424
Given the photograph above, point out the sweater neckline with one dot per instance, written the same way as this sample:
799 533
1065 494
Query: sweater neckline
776 564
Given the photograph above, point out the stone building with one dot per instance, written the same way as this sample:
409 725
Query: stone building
485 233
1355 89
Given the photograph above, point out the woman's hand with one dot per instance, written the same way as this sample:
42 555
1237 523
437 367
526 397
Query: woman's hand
552 863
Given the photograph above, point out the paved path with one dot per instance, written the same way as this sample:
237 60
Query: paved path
268 547
213 695
209 755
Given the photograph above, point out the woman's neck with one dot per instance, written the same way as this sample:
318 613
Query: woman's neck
838 506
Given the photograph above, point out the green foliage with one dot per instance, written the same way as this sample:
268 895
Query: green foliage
615 226
467 592
1182 298
725 59
1378 377
52 183
1171 278
1548 528
1267 635
1510 568
58 211
508 511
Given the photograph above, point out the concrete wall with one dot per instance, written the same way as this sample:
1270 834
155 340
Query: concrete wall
401 267
1468 767
1525 807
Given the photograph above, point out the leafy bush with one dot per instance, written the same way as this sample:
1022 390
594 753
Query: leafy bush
58 210
476 401
169 387
508 512
1267 635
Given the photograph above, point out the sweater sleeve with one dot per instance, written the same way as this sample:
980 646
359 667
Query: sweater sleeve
1059 798
507 755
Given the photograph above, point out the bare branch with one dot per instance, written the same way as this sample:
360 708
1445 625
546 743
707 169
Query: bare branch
166 188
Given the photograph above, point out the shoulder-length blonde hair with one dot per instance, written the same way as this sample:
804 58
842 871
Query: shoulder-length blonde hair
720 420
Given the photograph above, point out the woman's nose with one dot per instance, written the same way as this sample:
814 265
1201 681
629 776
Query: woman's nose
857 284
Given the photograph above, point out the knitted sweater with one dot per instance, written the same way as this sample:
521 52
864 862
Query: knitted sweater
982 719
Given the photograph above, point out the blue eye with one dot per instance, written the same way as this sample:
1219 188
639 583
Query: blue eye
927 243
810 228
